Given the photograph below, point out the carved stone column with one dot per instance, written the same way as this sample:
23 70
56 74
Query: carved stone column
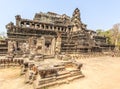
24 24
53 47
18 20
52 28
43 45
44 27
30 24
40 27
10 46
36 26
58 43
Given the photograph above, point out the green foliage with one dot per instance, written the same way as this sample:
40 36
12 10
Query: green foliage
106 33
1 37
113 35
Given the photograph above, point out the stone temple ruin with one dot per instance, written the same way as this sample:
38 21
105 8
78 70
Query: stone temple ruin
51 34
44 47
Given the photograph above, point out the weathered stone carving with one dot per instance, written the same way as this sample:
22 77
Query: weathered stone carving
18 18
76 20
10 26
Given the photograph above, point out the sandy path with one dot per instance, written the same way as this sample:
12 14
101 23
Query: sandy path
10 78
100 73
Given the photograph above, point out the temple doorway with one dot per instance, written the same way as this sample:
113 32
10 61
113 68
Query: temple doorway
49 45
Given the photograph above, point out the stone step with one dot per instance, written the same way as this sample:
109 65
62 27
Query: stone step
63 72
48 80
48 56
58 78
59 82
75 77
68 75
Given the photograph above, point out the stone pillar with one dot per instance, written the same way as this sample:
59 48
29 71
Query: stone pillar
52 28
56 29
15 45
30 24
36 26
49 27
24 24
39 45
53 47
33 26
58 44
10 46
18 20
43 45
67 30
40 27
44 27
60 29
31 45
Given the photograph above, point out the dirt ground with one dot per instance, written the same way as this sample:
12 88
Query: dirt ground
100 73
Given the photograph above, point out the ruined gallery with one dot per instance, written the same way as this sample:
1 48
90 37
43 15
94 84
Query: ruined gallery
49 33
44 47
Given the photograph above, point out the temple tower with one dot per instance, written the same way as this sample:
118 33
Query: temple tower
76 20
18 18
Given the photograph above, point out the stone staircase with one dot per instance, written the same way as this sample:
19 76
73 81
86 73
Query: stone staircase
62 78
48 56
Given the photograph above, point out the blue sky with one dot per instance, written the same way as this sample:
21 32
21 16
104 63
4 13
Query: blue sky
97 14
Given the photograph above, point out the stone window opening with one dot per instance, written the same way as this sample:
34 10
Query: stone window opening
51 27
27 25
39 47
62 29
34 42
33 25
38 25
47 44
46 27
42 26
58 28
22 24
17 47
54 27
65 30
69 29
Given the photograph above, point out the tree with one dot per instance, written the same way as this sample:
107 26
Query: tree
115 31
2 35
113 35
100 32
106 33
